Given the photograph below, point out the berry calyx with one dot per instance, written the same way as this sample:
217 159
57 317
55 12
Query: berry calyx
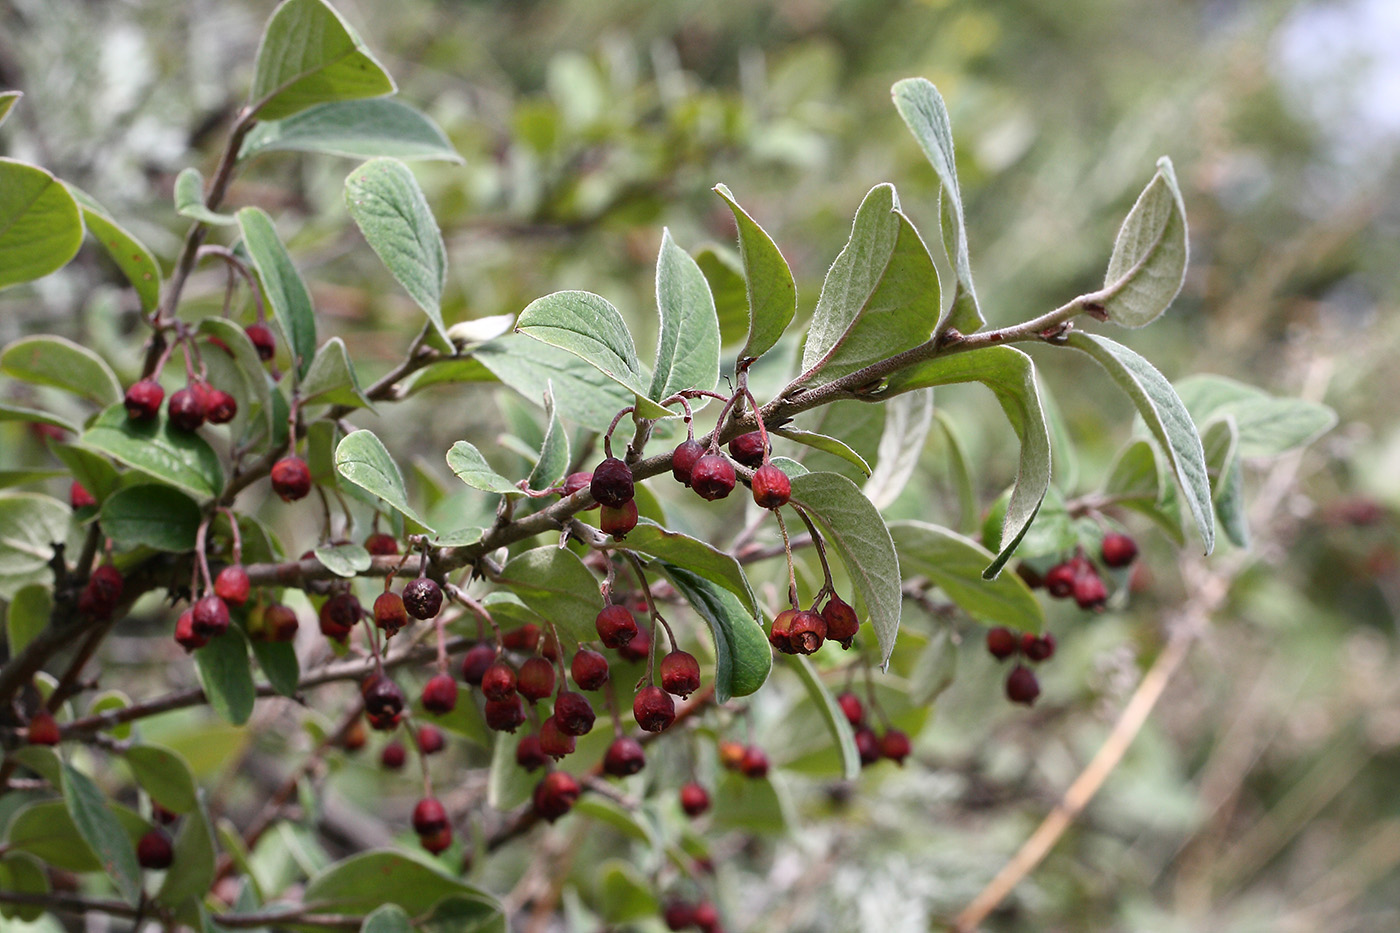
754 763
624 757
291 478
574 713
1118 550
505 715
143 400
381 545
260 335
680 673
1001 643
555 742
895 746
498 683
280 623
429 816
618 521
529 754
339 614
748 449
155 850
852 708
536 679
430 739
867 746
555 795
476 661
712 477
232 584
79 497
616 626
841 621
393 755
422 597
185 635
440 694
1038 647
653 708
186 409
695 800
807 632
389 612
684 458
589 669
211 617
611 483
43 729
771 487
1021 686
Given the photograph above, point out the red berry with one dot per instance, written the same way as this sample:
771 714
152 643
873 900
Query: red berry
1118 550
219 406
440 694
505 715
526 638
771 487
1021 686
748 449
807 632
498 683
555 795
1001 643
841 621
393 756
186 409
707 917
653 708
79 497
678 915
894 745
143 400
624 757
211 616
615 626
1038 647
381 545
384 701
389 612
754 763
102 592
576 481
422 597
683 460
1089 591
155 850
43 729
185 635
231 585
680 673
291 478
476 662
852 708
779 634
695 800
618 521
529 754
555 742
1059 579
536 679
280 622
429 816
611 483
263 341
638 648
574 713
339 614
590 669
430 739
437 842
868 746
712 477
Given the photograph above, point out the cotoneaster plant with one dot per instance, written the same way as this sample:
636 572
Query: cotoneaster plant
512 651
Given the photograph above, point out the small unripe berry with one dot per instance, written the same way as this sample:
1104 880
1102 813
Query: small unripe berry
868 746
143 400
684 458
476 661
680 673
611 483
79 497
731 754
155 850
748 449
807 632
1038 647
1089 591
589 669
393 755
211 616
1119 550
771 487
653 708
638 648
498 683
616 626
555 795
280 623
389 612
536 679
422 597
555 742
339 614
852 708
430 739
185 635
618 521
505 715
429 816
755 763
262 339
695 800
712 477
43 729
381 545
291 478
895 746
574 713
1001 643
232 585
440 694
219 406
624 757
530 755
1021 686
437 842
841 621
186 409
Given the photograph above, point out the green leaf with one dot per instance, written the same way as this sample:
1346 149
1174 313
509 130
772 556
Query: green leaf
331 379
743 657
830 710
582 392
47 831
589 327
392 213
281 283
1135 474
18 413
362 459
635 826
357 129
466 915
41 227
853 526
137 262
102 832
880 297
959 473
1010 375
109 700
1221 442
164 775
181 458
1166 417
1268 425
248 364
387 919
41 759
30 525
624 894
907 422
553 462
554 582
507 785
227 676
954 564
54 361
192 872
368 880
1148 266
749 805
21 873
725 274
696 556
924 112
278 660
308 56
471 468
687 345
27 616
772 293
189 199
10 478
8 99
345 560
151 514
831 445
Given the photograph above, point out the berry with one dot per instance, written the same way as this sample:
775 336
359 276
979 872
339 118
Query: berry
707 917
437 842
219 406
422 598
291 478
554 742
695 800
653 708
590 669
231 585
771 487
731 754
263 341
389 612
754 763
280 622
574 713
163 816
1089 591
1001 643
155 850
430 739
185 635
576 481
393 756
43 729
638 648
383 702
211 616
1118 550
683 460
678 915
529 754
555 795
505 715
1038 647
680 673
615 626
894 745
440 694
807 632
549 647
748 449
536 679
102 592
611 483
617 522
186 409
868 746
624 757
841 622
498 683
143 400
476 661
712 477
526 638
1021 686
355 736
381 545
779 635
79 497
1059 579
851 706
339 614
429 816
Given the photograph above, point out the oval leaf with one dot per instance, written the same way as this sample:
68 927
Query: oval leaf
387 919
227 675
687 345
830 710
165 776
771 291
554 583
907 422
63 364
41 227
582 392
278 660
345 560
181 458
102 832
192 871
30 525
47 830
954 564
137 262
21 873
368 880
471 468
553 461
281 283
831 445
696 556
189 199
363 460
1148 266
28 614
743 657
308 56
725 272
331 379
154 515
359 129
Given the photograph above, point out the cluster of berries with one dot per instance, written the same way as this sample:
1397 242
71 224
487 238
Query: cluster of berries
1021 684
683 915
892 744
802 631
1079 579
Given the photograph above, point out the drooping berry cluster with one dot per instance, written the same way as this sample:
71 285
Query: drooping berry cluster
1021 683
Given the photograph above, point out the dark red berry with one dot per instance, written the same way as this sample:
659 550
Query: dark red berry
779 635
611 483
232 585
219 406
186 409
437 842
280 623
155 850
576 481
440 694
807 632
555 742
549 647
536 679
1089 591
748 449
1118 550
683 459
260 335
79 497
680 673
771 487
852 708
1029 575
894 745
590 669
211 616
574 713
143 400
868 746
422 597
476 662
617 522
1021 686
429 816
102 592
1038 647
707 917
393 756
505 715
678 915
291 478
381 545
498 683
754 763
339 614
384 701
712 477
624 757
430 739
616 626
529 754
389 612
695 800
526 638
638 648
841 621
43 729
555 795
1059 579
185 635
653 708
1002 643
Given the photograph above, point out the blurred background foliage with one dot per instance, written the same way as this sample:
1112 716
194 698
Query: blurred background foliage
1261 795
